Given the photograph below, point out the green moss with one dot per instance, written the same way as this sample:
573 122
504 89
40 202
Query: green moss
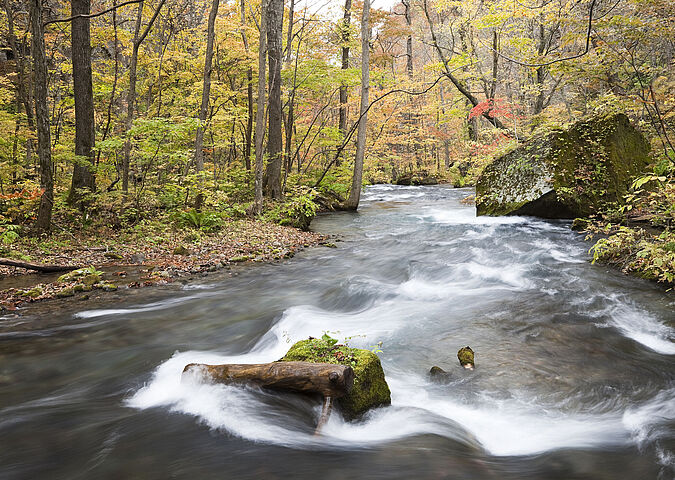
66 292
91 279
465 356
242 258
78 274
370 387
33 292
109 287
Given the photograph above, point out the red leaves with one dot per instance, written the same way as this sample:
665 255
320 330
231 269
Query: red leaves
494 107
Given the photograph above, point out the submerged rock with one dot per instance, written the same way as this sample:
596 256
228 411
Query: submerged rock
437 374
370 388
567 173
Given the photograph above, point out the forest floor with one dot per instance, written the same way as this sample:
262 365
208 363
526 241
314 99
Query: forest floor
141 257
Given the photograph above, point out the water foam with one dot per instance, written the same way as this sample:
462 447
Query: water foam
640 325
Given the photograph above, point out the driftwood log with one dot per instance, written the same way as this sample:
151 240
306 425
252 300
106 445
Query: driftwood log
326 379
331 381
37 267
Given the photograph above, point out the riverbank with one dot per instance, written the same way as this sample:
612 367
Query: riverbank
140 257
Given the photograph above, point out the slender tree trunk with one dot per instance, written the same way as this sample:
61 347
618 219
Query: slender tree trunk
83 175
260 113
290 117
409 49
289 32
495 64
131 95
44 219
540 73
23 83
355 192
249 93
346 20
131 98
106 129
275 11
206 91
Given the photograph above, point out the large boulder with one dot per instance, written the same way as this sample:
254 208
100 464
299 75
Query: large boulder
370 387
567 173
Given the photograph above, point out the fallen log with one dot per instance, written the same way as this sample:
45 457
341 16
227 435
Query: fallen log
325 379
37 267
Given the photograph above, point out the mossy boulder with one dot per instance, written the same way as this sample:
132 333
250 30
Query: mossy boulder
370 387
567 173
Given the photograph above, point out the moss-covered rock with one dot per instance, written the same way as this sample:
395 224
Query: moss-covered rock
66 292
567 173
370 387
89 272
465 356
181 250
32 293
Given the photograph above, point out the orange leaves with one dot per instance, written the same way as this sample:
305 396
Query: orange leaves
24 194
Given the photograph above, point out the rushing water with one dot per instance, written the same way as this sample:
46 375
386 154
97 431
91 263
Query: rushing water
574 376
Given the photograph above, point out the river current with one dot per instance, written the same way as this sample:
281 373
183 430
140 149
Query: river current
574 375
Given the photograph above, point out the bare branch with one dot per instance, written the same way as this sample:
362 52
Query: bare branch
92 15
572 57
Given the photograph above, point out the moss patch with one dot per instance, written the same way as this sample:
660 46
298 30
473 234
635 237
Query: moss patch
370 387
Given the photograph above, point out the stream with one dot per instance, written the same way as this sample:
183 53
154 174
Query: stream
574 376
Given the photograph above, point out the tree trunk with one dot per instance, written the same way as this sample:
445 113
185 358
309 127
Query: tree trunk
206 90
275 12
260 113
44 219
540 73
325 379
290 118
346 20
409 50
289 32
23 81
83 175
131 95
355 192
249 93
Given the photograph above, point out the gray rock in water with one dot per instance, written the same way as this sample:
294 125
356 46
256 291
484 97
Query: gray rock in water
437 374
567 173
137 258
